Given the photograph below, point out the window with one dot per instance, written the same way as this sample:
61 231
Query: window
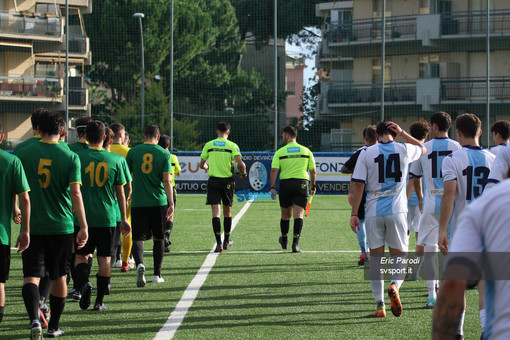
376 70
429 66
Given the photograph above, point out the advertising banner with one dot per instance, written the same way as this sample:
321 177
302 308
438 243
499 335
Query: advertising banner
258 166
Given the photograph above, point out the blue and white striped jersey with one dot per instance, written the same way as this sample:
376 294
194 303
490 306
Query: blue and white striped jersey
499 170
383 167
470 167
429 167
496 149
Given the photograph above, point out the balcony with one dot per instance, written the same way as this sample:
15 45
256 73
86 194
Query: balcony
30 26
474 90
30 88
475 23
345 94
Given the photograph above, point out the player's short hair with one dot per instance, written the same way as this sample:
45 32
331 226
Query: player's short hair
442 120
164 141
81 126
223 127
50 122
468 124
34 119
502 127
117 128
109 136
151 131
290 130
382 129
95 131
370 133
419 129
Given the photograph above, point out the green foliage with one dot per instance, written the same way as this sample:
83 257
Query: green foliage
6 145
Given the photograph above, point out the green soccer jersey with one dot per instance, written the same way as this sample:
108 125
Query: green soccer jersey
14 182
28 142
101 172
78 146
294 161
50 169
128 176
220 152
148 162
176 168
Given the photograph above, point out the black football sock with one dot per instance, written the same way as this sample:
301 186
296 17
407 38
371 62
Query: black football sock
103 288
1 313
157 253
82 275
44 288
57 307
137 251
284 227
30 294
227 226
298 226
170 227
216 224
72 270
90 260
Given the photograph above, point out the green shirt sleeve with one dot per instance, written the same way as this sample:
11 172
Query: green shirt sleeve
75 173
177 165
236 151
311 161
275 164
21 183
128 160
125 169
120 176
167 164
205 153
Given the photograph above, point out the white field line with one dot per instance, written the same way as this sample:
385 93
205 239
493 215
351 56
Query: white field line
258 251
176 318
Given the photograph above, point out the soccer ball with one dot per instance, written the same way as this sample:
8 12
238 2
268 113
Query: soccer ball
235 168
257 184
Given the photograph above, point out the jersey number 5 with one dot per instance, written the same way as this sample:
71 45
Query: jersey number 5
392 167
96 174
44 170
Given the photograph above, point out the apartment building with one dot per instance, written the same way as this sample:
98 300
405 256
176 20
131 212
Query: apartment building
294 74
435 60
32 61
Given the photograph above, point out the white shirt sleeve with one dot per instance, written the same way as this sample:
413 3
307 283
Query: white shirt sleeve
414 152
360 170
499 168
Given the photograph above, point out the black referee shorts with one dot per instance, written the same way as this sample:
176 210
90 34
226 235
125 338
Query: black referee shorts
220 190
293 192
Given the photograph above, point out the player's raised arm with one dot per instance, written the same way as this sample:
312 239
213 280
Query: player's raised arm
409 139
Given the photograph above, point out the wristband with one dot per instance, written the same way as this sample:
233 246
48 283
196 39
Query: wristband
354 215
401 132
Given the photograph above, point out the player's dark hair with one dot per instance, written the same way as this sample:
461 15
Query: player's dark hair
442 120
109 136
81 126
290 130
468 124
502 127
151 131
164 141
223 127
50 122
382 129
34 119
419 129
370 134
117 128
95 131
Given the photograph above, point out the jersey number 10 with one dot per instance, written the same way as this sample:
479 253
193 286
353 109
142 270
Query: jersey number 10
392 167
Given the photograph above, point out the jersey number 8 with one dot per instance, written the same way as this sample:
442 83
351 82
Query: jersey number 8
147 163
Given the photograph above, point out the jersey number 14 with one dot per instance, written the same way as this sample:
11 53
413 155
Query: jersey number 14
389 168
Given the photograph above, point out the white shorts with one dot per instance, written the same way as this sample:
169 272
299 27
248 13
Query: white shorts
389 231
429 230
413 217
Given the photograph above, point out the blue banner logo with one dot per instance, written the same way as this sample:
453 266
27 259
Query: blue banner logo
258 176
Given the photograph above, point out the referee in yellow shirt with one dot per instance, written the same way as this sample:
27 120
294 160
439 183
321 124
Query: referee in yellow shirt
294 162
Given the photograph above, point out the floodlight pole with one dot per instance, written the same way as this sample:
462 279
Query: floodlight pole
172 76
488 71
67 68
275 71
383 56
140 16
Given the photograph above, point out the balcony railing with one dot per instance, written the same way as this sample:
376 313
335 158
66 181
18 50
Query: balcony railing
29 86
30 25
368 30
77 97
475 22
352 93
475 89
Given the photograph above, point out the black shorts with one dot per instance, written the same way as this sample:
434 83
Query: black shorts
100 238
47 252
293 192
5 262
148 222
220 190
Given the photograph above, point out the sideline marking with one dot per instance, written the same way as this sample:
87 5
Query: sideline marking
258 251
181 309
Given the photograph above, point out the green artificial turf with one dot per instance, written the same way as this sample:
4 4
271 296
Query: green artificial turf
255 289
